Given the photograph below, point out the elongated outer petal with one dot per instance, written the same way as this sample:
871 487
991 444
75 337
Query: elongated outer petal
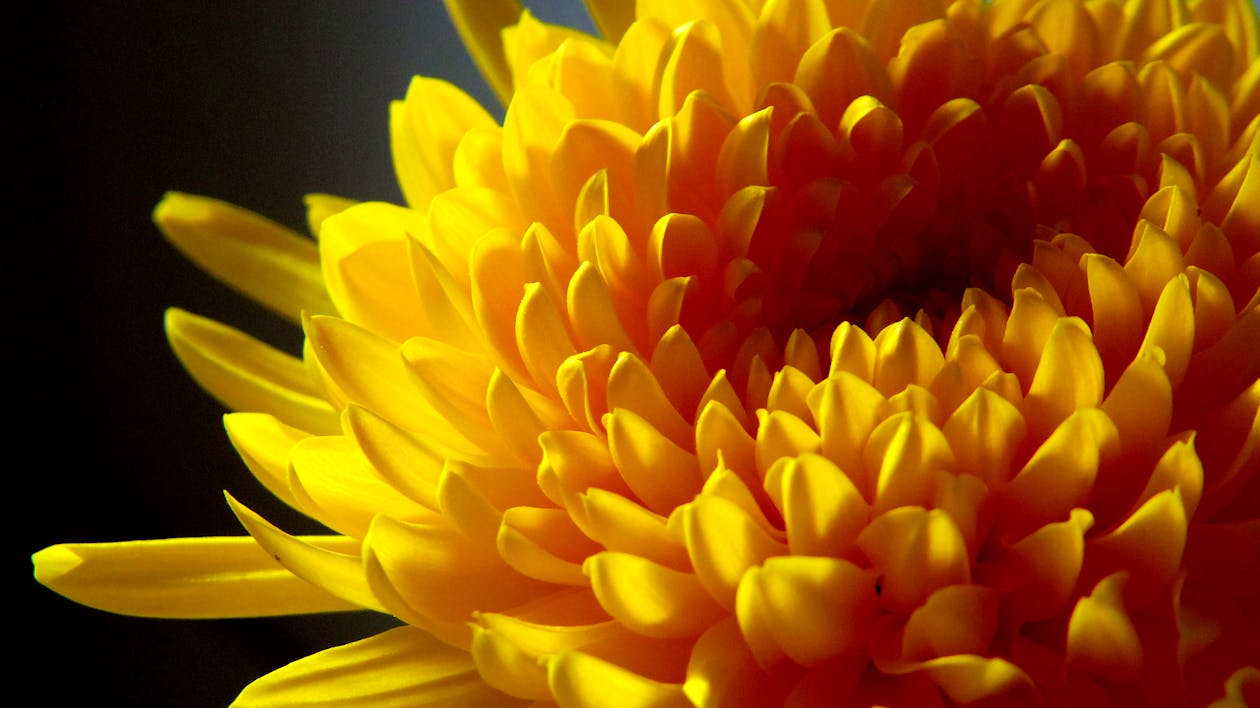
246 374
339 572
260 258
579 680
212 577
480 25
399 667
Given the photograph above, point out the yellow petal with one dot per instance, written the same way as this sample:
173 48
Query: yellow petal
651 599
619 524
984 434
902 459
544 544
723 672
246 374
1140 404
372 373
212 577
839 68
631 386
788 392
480 25
535 120
822 510
721 441
506 667
1179 468
745 152
1196 46
585 148
660 472
1038 574
1061 473
1069 376
723 542
333 480
710 52
782 434
917 551
579 680
612 17
442 575
966 678
448 306
405 462
784 31
453 383
1155 260
1172 329
399 667
1101 637
816 607
321 206
678 369
1149 544
332 564
1028 328
1117 307
847 409
593 314
260 258
425 129
573 462
957 619
517 421
264 444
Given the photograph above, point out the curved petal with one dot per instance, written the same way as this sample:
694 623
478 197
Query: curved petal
399 667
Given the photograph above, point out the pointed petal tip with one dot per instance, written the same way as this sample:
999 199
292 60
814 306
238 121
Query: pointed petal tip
53 563
179 206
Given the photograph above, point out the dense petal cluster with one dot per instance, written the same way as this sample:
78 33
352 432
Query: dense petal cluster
822 353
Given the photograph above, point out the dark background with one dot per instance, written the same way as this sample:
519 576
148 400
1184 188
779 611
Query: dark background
257 103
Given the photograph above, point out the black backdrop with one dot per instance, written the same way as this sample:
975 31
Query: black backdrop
257 103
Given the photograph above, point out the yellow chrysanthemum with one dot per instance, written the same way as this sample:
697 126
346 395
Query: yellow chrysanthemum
805 352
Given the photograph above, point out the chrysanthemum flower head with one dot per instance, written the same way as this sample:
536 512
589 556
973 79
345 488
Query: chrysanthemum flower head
787 352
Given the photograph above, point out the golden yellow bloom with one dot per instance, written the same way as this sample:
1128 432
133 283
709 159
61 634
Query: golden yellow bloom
821 353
